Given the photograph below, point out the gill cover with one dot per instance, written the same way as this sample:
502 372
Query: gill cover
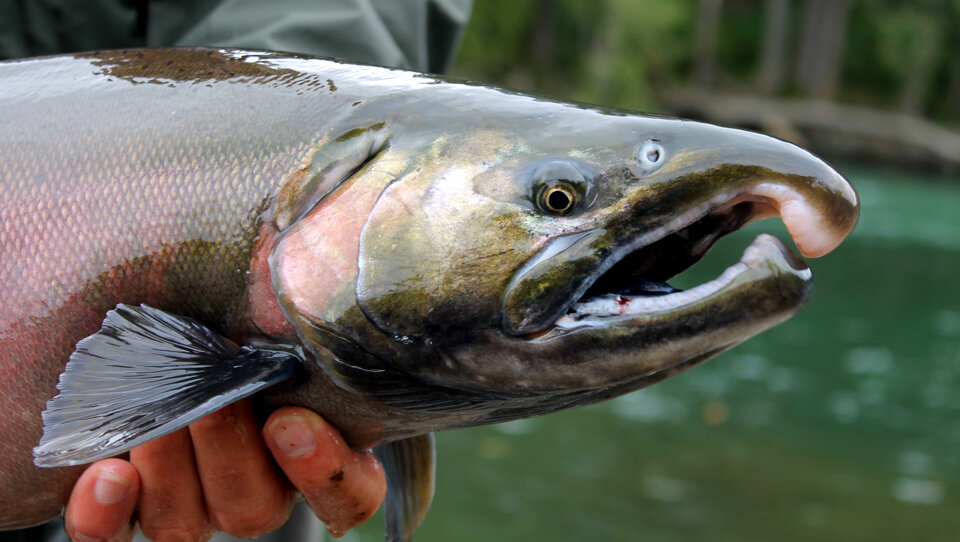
409 248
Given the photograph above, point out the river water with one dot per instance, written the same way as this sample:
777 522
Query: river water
841 424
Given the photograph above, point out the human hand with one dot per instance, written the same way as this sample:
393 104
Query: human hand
218 475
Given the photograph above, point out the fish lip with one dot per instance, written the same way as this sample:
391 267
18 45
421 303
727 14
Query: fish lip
556 246
767 258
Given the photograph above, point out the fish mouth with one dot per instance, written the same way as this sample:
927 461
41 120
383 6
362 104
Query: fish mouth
639 296
629 285
633 282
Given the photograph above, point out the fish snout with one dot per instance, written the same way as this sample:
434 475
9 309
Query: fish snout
816 203
819 208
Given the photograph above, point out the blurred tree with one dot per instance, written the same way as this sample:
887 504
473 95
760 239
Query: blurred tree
640 54
543 47
910 40
902 54
496 39
774 46
821 46
707 35
953 88
609 51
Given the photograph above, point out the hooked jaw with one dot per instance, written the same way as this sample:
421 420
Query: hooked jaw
815 232
624 301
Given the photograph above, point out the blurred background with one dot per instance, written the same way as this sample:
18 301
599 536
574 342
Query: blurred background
843 423
875 80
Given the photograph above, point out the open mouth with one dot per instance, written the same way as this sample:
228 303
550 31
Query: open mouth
635 284
565 286
650 297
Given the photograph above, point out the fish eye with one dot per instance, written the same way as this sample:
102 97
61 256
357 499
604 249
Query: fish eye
650 155
558 199
559 187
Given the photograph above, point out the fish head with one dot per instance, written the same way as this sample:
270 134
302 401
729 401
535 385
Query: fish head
514 261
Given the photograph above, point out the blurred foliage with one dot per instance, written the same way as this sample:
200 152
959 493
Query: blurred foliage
610 51
741 35
631 53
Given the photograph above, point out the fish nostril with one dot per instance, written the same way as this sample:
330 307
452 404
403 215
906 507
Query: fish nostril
650 155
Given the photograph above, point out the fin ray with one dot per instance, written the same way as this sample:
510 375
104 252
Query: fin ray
145 374
410 466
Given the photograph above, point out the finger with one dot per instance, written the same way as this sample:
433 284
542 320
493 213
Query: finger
102 502
244 494
342 486
171 499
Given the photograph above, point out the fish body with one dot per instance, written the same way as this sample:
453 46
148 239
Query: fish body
428 254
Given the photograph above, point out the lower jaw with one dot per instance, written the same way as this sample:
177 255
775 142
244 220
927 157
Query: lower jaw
616 309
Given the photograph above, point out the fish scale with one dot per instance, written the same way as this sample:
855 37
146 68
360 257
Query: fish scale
188 250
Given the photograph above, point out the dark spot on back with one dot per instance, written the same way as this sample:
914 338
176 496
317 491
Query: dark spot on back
182 64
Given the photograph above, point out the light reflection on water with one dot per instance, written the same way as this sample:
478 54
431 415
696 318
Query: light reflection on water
842 424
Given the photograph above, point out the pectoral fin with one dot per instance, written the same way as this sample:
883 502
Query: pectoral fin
145 374
410 467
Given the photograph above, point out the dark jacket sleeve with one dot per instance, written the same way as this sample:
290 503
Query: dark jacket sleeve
415 34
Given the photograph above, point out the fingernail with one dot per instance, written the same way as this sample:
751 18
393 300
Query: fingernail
293 436
110 487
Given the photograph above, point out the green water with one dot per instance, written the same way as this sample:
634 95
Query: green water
842 424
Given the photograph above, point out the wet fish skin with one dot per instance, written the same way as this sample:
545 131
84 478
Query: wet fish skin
119 188
339 207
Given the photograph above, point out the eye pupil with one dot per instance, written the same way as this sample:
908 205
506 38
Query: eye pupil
653 155
558 200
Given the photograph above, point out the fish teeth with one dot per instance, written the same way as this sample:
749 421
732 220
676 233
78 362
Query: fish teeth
607 306
599 311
